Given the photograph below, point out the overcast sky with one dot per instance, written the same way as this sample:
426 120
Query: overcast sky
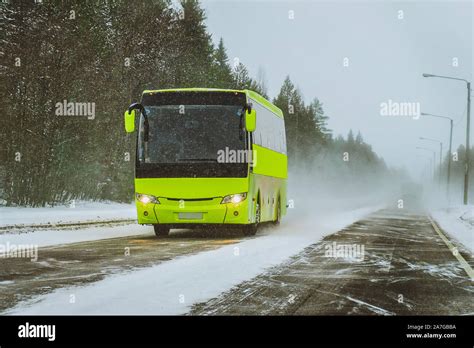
386 55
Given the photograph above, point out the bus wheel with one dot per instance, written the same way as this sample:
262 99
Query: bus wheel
161 231
257 213
278 213
251 230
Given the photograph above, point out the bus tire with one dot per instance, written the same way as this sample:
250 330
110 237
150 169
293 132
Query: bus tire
161 231
251 230
278 212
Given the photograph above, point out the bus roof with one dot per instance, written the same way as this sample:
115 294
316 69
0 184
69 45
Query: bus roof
251 94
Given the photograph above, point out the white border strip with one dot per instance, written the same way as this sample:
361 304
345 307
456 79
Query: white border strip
453 249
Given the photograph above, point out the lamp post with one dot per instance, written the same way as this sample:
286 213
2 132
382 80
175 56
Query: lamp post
450 154
434 158
440 154
430 163
468 125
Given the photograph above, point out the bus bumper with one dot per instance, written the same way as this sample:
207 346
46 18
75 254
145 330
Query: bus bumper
199 212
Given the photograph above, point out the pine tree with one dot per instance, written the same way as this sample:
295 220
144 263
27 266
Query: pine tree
261 81
321 120
222 71
194 64
350 138
242 78
296 114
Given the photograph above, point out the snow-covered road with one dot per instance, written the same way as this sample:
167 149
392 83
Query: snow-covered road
125 269
172 287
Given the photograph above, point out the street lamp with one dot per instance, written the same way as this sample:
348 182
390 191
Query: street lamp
450 154
434 158
468 124
440 154
430 162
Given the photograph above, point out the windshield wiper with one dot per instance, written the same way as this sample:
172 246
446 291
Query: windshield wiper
197 160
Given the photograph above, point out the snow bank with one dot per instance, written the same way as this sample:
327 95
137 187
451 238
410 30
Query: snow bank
56 237
81 212
458 222
78 212
172 287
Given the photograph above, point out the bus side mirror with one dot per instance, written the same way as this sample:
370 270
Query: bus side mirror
129 117
250 120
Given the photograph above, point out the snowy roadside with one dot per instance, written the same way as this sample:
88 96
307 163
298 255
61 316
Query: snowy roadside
174 286
76 213
458 222
82 212
56 237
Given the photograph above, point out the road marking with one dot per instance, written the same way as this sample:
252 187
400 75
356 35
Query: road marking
453 249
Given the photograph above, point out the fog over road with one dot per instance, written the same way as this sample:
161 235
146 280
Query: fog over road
398 265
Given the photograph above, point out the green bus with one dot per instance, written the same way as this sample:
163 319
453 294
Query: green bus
208 157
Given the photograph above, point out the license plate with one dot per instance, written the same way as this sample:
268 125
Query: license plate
190 216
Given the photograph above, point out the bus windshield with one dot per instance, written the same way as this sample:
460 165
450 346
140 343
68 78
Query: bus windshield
190 133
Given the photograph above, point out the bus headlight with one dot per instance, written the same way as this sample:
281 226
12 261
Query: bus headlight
237 198
145 199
